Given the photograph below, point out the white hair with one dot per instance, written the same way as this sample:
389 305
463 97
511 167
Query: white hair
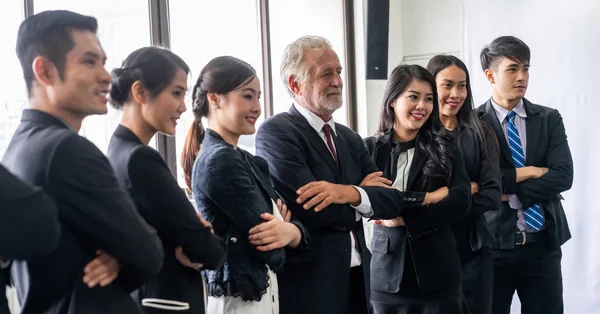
293 57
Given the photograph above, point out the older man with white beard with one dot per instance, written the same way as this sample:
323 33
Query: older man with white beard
323 172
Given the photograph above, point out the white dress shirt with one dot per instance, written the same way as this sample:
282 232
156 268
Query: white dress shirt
364 209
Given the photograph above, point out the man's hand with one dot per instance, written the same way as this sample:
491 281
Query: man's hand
390 223
474 188
321 194
285 213
376 179
205 223
530 172
274 234
185 261
102 270
505 197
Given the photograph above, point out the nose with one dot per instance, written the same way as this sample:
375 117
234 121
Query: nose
455 93
337 80
421 104
182 107
105 77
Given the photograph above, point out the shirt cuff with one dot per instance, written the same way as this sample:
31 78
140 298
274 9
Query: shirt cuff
364 208
513 202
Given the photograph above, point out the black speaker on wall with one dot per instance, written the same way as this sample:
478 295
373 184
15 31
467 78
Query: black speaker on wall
378 28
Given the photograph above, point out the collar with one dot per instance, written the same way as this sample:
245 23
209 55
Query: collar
314 120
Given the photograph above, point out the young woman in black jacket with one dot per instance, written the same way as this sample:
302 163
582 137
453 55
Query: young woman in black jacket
415 268
233 191
149 87
480 153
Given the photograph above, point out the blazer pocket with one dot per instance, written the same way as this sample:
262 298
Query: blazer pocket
380 243
386 265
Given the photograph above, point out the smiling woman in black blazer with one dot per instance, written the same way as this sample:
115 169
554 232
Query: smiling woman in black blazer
233 191
481 155
149 87
415 267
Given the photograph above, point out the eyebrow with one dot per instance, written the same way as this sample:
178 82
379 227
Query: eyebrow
249 89
517 64
90 54
447 80
181 87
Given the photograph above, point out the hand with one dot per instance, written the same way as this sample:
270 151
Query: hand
185 261
322 194
376 179
436 196
205 223
474 188
274 234
102 270
285 213
391 223
504 197
539 172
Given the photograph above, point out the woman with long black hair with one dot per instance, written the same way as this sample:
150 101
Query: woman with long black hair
415 267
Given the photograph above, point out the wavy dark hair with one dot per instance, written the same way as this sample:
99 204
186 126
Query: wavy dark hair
432 140
466 117
220 75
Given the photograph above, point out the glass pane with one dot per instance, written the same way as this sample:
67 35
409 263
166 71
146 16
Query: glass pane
204 29
14 96
123 26
314 17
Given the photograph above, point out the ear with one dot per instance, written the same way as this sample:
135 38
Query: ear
293 84
214 100
44 70
489 75
139 92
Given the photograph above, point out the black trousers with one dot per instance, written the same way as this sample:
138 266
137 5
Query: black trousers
357 301
534 271
478 280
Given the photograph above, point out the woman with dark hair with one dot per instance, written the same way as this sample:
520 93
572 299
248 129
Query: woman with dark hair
415 268
480 153
233 191
149 87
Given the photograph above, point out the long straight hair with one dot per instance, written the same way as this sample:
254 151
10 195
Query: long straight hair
466 117
434 141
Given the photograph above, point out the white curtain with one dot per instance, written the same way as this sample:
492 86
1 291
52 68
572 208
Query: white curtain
564 37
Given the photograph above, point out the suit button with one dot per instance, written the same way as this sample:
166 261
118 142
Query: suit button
414 199
404 198
233 240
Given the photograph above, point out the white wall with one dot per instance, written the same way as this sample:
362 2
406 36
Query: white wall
419 29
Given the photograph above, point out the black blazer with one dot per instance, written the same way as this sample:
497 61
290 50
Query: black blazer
95 214
159 199
547 146
482 164
427 232
23 207
297 155
232 189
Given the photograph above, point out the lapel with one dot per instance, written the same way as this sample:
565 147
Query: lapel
317 142
258 171
383 155
489 116
533 129
417 164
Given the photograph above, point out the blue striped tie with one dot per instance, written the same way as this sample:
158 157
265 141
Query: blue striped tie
533 214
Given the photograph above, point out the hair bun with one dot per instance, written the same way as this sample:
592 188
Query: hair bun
122 79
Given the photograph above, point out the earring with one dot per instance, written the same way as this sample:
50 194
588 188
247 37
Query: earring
215 107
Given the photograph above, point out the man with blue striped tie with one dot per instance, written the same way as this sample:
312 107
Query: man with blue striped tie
536 165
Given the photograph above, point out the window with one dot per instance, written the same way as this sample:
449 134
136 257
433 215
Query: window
14 95
288 23
123 26
204 29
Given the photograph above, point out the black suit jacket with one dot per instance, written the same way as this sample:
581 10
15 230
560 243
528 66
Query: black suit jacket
297 155
482 164
23 207
547 146
427 232
159 199
95 214
232 188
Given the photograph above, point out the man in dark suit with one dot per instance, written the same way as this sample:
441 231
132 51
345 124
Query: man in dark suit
536 167
63 67
23 207
325 175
